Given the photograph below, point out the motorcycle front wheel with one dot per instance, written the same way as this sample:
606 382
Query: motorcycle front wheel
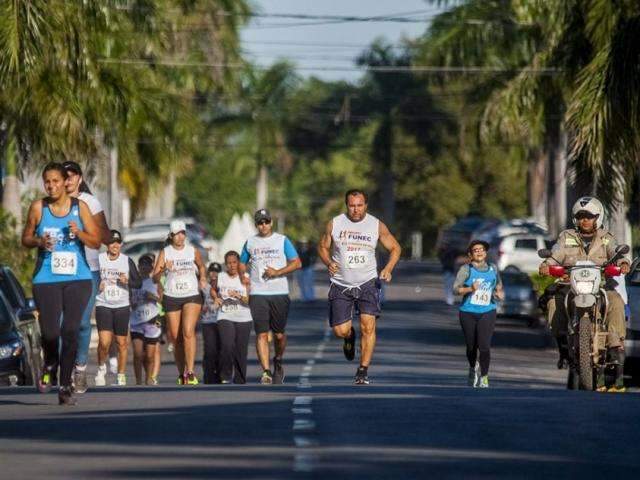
585 367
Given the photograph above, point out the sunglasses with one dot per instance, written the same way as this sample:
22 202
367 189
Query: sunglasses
263 222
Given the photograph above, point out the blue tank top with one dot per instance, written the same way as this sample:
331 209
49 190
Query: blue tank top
481 301
67 262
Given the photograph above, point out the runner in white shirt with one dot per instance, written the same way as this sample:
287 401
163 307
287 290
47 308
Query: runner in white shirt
234 323
77 187
348 249
145 323
182 298
118 274
209 322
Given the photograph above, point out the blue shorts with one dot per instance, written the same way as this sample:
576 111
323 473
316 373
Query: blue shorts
344 302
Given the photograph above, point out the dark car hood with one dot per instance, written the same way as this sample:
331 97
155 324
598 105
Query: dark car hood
8 337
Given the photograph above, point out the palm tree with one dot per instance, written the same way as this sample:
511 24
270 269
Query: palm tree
260 114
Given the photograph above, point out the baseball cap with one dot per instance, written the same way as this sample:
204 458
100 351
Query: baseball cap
73 167
177 226
115 237
262 214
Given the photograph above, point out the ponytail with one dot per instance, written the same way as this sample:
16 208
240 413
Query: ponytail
84 188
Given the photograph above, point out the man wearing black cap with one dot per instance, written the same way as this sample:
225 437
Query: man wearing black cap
269 258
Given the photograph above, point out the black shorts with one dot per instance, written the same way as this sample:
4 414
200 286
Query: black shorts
174 304
345 301
269 312
115 320
146 340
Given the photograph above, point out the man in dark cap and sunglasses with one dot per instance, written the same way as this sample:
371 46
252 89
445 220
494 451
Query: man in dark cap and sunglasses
266 259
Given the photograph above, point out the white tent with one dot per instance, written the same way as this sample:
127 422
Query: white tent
237 233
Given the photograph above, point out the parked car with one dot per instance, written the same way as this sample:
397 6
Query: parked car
136 248
518 251
457 236
490 231
145 229
520 299
20 345
632 341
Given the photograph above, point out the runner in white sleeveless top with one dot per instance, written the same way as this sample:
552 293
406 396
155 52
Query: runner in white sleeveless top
76 186
118 274
182 300
209 323
234 323
348 249
145 323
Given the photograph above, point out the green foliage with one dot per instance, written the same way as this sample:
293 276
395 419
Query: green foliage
541 282
12 254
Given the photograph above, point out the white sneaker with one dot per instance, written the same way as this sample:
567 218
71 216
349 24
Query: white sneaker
121 380
484 382
113 365
100 378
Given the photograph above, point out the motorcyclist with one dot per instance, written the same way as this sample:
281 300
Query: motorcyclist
588 241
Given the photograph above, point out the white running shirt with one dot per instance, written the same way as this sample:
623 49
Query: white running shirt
144 311
95 207
182 281
113 294
354 250
232 309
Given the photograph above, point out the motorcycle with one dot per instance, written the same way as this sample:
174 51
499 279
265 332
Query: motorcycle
586 306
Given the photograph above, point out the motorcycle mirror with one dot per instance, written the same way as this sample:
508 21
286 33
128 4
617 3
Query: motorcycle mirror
544 253
622 249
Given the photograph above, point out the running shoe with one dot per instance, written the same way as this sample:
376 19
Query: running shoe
152 381
474 376
121 380
266 378
617 389
113 365
484 382
65 396
180 380
278 371
191 379
349 347
361 376
225 382
101 376
45 380
79 380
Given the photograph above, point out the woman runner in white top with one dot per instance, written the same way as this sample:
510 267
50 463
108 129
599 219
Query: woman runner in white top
118 274
182 300
145 323
76 186
234 323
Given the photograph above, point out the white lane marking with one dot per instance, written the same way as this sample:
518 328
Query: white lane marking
303 462
302 401
301 411
303 424
303 442
307 368
311 361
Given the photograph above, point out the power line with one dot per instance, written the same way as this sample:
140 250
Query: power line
472 69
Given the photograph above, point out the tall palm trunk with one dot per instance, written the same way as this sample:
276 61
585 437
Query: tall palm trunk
537 185
262 185
383 156
11 190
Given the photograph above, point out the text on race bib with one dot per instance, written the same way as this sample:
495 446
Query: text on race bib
229 307
358 259
181 285
113 293
144 314
64 263
482 296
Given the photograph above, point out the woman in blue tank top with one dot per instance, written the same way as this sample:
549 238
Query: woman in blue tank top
59 227
479 284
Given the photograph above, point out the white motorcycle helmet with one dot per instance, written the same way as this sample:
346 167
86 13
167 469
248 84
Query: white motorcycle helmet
591 205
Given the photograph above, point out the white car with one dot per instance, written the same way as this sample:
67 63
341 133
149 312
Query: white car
519 252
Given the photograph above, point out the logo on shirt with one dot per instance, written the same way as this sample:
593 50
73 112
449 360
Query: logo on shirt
349 235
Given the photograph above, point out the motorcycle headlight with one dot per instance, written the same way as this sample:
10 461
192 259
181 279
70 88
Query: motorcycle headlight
583 288
10 350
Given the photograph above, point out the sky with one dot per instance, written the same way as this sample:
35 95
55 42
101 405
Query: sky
316 49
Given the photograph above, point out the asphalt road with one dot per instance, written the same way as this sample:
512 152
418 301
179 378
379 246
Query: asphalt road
417 419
